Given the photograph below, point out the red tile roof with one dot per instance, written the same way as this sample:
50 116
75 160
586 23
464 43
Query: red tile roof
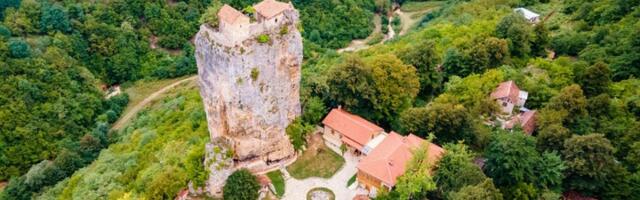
357 130
507 89
388 160
230 14
526 119
270 8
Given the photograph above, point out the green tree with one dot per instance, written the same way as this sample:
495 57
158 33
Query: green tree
481 191
550 171
424 58
416 181
241 185
599 106
19 48
551 138
541 40
511 159
449 121
456 170
596 79
571 100
7 4
297 133
53 18
314 110
517 31
592 168
378 89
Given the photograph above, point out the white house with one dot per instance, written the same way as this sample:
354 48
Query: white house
508 96
528 14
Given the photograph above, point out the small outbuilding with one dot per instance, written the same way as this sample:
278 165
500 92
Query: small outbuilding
531 16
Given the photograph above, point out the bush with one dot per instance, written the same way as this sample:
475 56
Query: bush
254 74
171 41
5 32
264 38
241 185
210 16
18 48
569 43
297 132
284 30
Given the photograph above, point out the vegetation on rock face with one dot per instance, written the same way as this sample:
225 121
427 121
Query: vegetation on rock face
264 38
241 185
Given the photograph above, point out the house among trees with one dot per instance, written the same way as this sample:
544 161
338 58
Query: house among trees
380 169
509 96
531 16
526 120
354 132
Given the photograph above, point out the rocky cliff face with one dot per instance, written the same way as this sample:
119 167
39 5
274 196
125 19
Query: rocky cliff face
250 89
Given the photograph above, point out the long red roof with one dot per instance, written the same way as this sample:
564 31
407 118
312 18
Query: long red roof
355 128
389 159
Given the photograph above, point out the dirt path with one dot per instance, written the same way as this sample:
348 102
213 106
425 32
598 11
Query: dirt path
406 20
127 116
356 45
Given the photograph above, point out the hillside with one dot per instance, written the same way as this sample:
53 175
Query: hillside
153 157
579 63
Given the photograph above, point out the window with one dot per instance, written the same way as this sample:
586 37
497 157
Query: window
504 104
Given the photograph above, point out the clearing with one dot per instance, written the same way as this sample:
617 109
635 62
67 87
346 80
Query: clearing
144 92
317 161
356 45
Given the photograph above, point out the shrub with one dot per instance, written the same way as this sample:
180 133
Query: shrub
284 30
241 185
210 16
255 72
264 38
18 48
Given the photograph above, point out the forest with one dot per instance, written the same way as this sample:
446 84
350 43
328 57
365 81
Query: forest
56 56
580 65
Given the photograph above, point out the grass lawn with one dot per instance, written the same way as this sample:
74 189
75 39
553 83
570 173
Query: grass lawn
351 180
414 6
140 90
278 182
316 163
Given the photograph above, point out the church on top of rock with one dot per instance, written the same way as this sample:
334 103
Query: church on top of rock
267 15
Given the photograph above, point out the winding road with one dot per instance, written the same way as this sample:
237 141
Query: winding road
127 116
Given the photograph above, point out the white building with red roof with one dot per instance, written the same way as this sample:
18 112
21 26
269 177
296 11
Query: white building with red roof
380 169
232 20
508 96
355 132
